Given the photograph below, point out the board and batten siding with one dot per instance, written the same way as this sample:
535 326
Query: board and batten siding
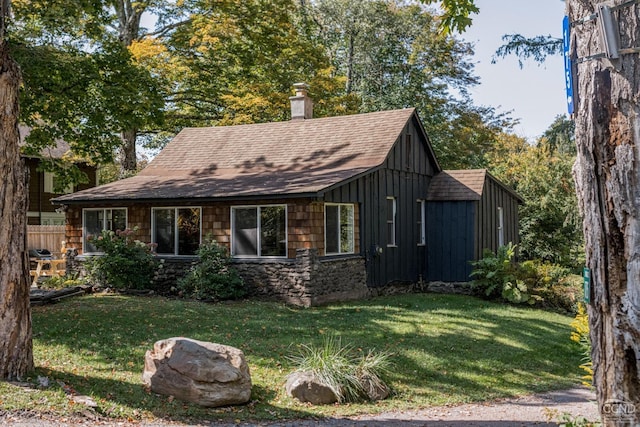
493 197
459 231
404 175
451 239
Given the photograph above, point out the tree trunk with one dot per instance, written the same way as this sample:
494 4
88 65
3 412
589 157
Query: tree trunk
607 174
128 157
16 352
129 16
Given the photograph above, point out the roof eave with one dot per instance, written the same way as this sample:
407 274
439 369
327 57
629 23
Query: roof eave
190 200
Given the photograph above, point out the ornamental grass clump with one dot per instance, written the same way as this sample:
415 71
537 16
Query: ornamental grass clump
351 376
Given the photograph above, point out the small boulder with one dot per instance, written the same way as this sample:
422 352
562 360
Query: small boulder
305 387
204 373
375 390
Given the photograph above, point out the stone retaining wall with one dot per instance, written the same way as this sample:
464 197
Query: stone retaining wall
308 280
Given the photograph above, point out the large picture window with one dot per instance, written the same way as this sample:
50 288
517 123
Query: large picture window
338 229
259 231
96 220
176 231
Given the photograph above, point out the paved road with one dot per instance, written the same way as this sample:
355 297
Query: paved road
528 411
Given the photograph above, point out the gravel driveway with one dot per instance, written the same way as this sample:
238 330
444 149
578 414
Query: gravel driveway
535 410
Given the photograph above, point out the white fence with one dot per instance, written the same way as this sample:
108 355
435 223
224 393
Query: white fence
45 237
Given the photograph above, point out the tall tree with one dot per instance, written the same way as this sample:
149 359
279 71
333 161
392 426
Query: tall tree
80 82
16 350
550 226
235 62
608 185
394 55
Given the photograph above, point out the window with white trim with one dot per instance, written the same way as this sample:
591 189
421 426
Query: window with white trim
391 221
339 228
176 231
500 227
96 220
259 231
422 216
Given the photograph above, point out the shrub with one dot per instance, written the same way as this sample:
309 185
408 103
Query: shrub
496 276
213 277
542 284
556 287
126 263
349 375
580 334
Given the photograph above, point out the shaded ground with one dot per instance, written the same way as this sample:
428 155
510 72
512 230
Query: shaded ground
537 410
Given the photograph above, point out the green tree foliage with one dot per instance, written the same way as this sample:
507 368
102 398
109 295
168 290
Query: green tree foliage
560 137
536 48
80 84
238 60
550 227
393 55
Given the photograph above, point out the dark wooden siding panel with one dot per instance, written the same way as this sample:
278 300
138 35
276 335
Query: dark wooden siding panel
495 196
450 240
405 176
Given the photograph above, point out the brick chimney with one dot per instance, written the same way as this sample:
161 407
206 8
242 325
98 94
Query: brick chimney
301 104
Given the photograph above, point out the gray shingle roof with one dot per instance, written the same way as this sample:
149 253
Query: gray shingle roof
457 185
463 185
279 158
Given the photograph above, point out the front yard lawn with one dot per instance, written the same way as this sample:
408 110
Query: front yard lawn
447 350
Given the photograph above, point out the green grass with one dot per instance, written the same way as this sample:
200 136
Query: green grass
446 350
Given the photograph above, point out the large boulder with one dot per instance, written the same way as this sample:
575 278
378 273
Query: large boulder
204 373
305 387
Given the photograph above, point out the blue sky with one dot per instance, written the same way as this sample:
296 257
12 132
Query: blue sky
534 94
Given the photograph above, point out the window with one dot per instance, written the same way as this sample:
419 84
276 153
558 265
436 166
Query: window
259 231
422 214
96 220
500 227
338 229
391 221
176 231
50 181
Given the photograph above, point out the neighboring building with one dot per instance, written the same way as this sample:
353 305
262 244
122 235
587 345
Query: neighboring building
41 184
312 210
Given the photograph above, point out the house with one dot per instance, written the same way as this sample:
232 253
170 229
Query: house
312 210
469 211
41 184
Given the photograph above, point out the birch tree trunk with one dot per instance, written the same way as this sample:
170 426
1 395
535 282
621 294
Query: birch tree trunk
607 174
16 354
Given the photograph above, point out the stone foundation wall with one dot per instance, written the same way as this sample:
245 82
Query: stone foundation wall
308 280
169 270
